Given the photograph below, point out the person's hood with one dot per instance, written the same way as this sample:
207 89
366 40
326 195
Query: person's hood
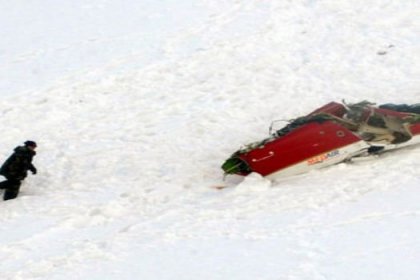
23 150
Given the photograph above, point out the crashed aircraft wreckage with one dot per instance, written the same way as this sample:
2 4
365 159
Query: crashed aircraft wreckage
331 134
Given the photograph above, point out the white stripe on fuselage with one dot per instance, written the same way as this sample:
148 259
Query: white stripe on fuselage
413 141
335 156
322 160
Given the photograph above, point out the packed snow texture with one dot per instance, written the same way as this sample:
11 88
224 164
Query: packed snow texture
136 104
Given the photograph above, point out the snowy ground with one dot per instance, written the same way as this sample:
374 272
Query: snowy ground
136 105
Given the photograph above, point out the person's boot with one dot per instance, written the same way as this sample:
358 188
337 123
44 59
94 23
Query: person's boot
10 194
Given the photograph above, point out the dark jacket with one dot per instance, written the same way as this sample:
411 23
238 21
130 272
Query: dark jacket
18 164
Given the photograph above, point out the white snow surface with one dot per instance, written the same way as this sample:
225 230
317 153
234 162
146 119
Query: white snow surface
136 104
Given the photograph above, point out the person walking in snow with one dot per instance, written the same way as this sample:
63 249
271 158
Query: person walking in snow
15 169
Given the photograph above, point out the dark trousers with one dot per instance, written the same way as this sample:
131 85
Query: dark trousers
11 188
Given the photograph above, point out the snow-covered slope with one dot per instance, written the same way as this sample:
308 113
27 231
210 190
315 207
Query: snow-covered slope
135 114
